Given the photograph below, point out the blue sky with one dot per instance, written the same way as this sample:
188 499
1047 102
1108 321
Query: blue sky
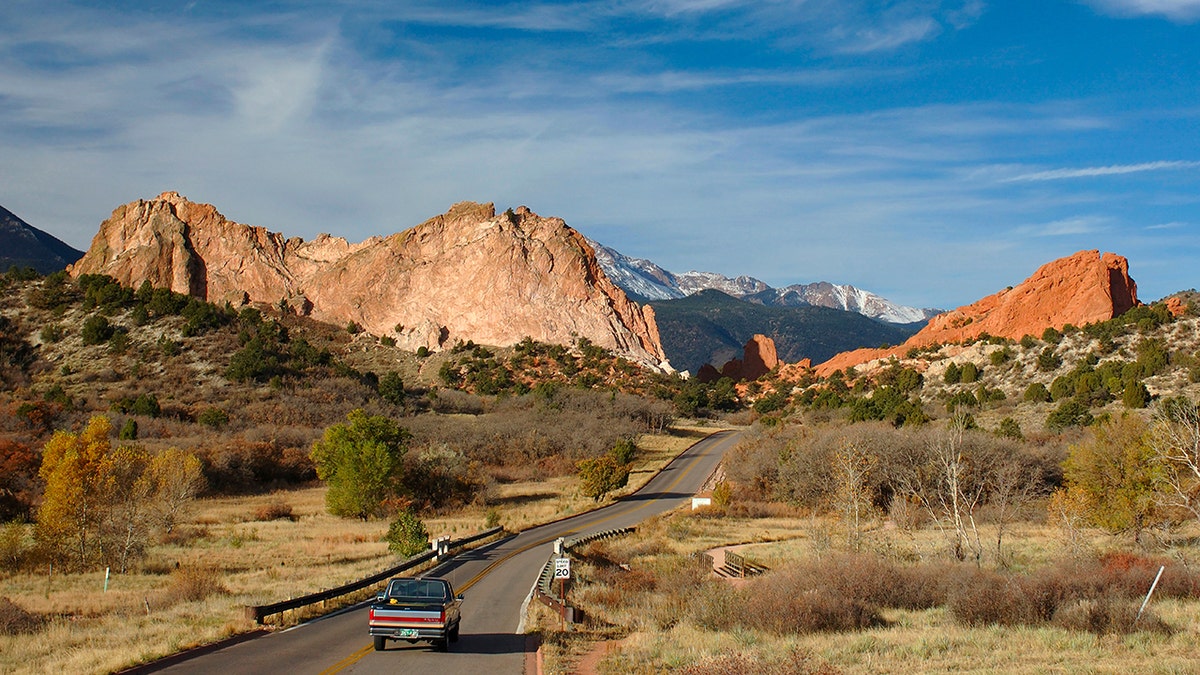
931 151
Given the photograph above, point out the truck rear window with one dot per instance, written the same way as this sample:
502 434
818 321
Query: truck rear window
421 589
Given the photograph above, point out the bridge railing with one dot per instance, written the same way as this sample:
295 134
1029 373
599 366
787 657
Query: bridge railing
544 590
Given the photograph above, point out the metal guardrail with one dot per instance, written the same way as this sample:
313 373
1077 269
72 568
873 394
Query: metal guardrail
259 612
574 542
544 591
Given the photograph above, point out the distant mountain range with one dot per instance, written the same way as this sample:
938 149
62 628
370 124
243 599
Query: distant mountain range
711 326
23 245
649 282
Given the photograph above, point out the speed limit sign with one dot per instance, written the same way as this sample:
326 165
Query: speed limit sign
562 568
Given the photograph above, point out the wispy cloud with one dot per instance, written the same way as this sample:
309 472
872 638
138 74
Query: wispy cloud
1175 10
886 37
1111 170
1077 225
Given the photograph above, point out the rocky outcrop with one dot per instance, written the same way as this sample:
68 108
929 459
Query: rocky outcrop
758 358
1175 306
1079 289
468 274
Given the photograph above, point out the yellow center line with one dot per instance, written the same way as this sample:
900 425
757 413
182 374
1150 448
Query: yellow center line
359 654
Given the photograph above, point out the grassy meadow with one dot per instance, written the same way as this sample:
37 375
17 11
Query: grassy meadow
901 604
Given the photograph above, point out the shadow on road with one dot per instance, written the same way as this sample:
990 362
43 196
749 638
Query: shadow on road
474 643
648 496
482 553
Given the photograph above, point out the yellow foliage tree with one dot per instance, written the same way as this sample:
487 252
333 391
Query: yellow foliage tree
101 504
79 483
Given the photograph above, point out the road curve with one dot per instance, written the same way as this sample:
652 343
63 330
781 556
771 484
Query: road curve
496 579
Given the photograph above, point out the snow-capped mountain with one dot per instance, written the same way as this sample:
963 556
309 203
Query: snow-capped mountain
738 287
637 275
647 280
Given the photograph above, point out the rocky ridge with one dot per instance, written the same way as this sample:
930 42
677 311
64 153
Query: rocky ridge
468 274
1079 289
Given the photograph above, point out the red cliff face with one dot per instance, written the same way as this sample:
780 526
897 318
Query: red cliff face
468 274
1079 289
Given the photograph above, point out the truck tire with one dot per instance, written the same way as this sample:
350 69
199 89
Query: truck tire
454 633
442 645
380 643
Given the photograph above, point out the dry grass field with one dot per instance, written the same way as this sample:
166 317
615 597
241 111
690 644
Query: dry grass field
649 609
237 551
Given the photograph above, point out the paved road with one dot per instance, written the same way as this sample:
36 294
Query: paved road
496 579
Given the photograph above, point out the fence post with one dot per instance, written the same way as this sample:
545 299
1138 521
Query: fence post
1151 592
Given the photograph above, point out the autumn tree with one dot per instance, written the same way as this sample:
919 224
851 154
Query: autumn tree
178 478
362 463
1115 477
101 504
77 473
18 475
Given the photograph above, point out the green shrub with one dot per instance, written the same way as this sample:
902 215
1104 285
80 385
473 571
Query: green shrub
624 451
1069 413
953 374
213 417
129 431
1048 360
407 536
1010 428
599 476
96 330
970 373
52 333
391 388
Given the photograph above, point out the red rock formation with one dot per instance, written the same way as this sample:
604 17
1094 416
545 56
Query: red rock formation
1079 289
1175 306
468 274
758 358
708 373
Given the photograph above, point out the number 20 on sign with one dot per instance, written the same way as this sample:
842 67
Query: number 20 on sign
562 568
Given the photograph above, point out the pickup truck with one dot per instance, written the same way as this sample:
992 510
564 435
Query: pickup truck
416 608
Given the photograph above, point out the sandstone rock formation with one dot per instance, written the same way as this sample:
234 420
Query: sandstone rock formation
1079 289
758 358
468 274
1175 306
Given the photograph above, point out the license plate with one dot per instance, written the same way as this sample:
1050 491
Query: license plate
407 633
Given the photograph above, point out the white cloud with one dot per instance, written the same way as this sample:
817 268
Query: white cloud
1111 170
1183 11
1078 225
